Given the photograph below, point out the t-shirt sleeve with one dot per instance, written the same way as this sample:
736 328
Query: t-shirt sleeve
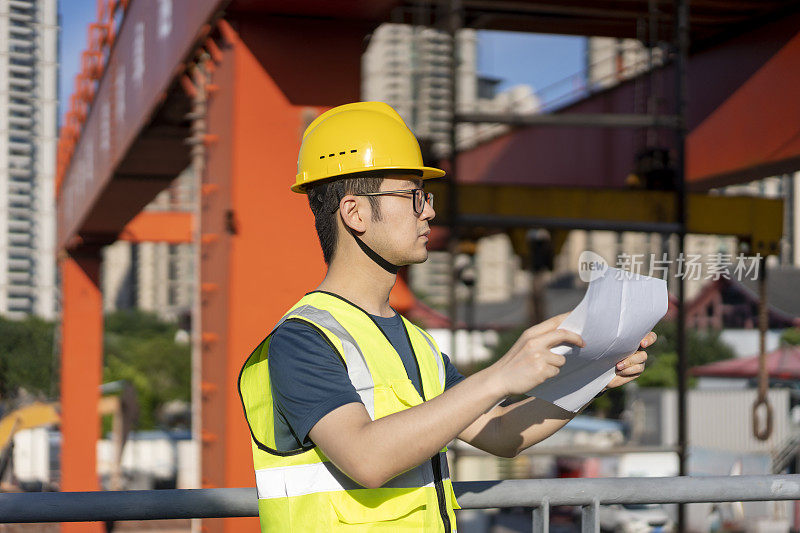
451 374
308 377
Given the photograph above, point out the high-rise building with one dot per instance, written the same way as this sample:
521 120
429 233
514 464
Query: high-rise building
28 116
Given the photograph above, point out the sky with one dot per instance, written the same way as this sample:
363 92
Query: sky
545 62
548 63
75 18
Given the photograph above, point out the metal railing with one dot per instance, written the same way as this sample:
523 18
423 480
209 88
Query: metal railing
540 494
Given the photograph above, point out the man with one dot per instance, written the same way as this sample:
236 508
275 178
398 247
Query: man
349 405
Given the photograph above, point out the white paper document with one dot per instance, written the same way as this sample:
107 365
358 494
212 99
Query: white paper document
616 312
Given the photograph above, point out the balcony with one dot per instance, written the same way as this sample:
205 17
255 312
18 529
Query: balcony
23 148
20 239
21 4
24 70
19 200
20 17
21 290
19 265
20 30
16 44
19 225
21 162
20 173
21 108
23 187
19 305
21 122
19 277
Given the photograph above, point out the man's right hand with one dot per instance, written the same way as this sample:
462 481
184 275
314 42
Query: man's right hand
530 362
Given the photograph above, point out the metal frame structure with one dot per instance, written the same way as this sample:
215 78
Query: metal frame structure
539 494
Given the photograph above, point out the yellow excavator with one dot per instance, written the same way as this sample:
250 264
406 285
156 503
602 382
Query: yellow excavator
31 416
118 399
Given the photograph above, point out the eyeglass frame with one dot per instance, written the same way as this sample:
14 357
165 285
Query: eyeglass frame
427 197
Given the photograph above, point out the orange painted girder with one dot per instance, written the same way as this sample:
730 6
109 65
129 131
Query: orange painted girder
81 372
173 227
758 126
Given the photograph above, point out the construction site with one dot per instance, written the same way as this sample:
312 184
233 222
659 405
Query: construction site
170 192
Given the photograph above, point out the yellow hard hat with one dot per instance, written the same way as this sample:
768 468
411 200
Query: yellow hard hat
359 137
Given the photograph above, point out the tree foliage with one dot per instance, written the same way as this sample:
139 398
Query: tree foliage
791 336
138 347
660 371
141 348
702 347
27 360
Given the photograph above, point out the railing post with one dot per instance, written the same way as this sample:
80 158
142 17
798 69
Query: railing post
541 517
590 517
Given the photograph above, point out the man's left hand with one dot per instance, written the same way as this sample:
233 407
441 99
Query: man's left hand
632 366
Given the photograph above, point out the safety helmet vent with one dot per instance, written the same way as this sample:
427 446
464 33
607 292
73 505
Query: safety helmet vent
340 153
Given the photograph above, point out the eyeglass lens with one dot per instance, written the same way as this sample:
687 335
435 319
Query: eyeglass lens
420 197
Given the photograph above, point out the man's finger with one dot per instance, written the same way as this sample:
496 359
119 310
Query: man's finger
633 359
649 339
556 359
548 325
560 336
630 371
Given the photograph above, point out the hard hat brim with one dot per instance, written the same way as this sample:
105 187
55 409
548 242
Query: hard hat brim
427 173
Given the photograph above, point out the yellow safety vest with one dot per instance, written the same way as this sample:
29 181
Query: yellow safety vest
301 490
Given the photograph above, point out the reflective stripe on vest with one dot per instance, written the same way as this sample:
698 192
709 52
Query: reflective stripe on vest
298 480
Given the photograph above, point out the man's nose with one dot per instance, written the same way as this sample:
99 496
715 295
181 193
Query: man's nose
427 212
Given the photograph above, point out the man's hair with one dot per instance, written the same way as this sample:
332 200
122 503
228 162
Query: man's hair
324 200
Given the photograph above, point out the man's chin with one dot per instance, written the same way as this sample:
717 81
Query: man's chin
415 259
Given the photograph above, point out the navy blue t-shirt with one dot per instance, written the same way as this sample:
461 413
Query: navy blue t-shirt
309 379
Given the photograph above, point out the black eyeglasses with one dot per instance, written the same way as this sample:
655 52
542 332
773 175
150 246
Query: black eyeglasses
419 195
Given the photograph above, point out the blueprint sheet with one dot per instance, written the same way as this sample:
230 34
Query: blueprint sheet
617 311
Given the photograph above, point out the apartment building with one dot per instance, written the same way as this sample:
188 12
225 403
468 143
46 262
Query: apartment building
28 119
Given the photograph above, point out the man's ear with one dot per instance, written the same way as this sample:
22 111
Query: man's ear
353 213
